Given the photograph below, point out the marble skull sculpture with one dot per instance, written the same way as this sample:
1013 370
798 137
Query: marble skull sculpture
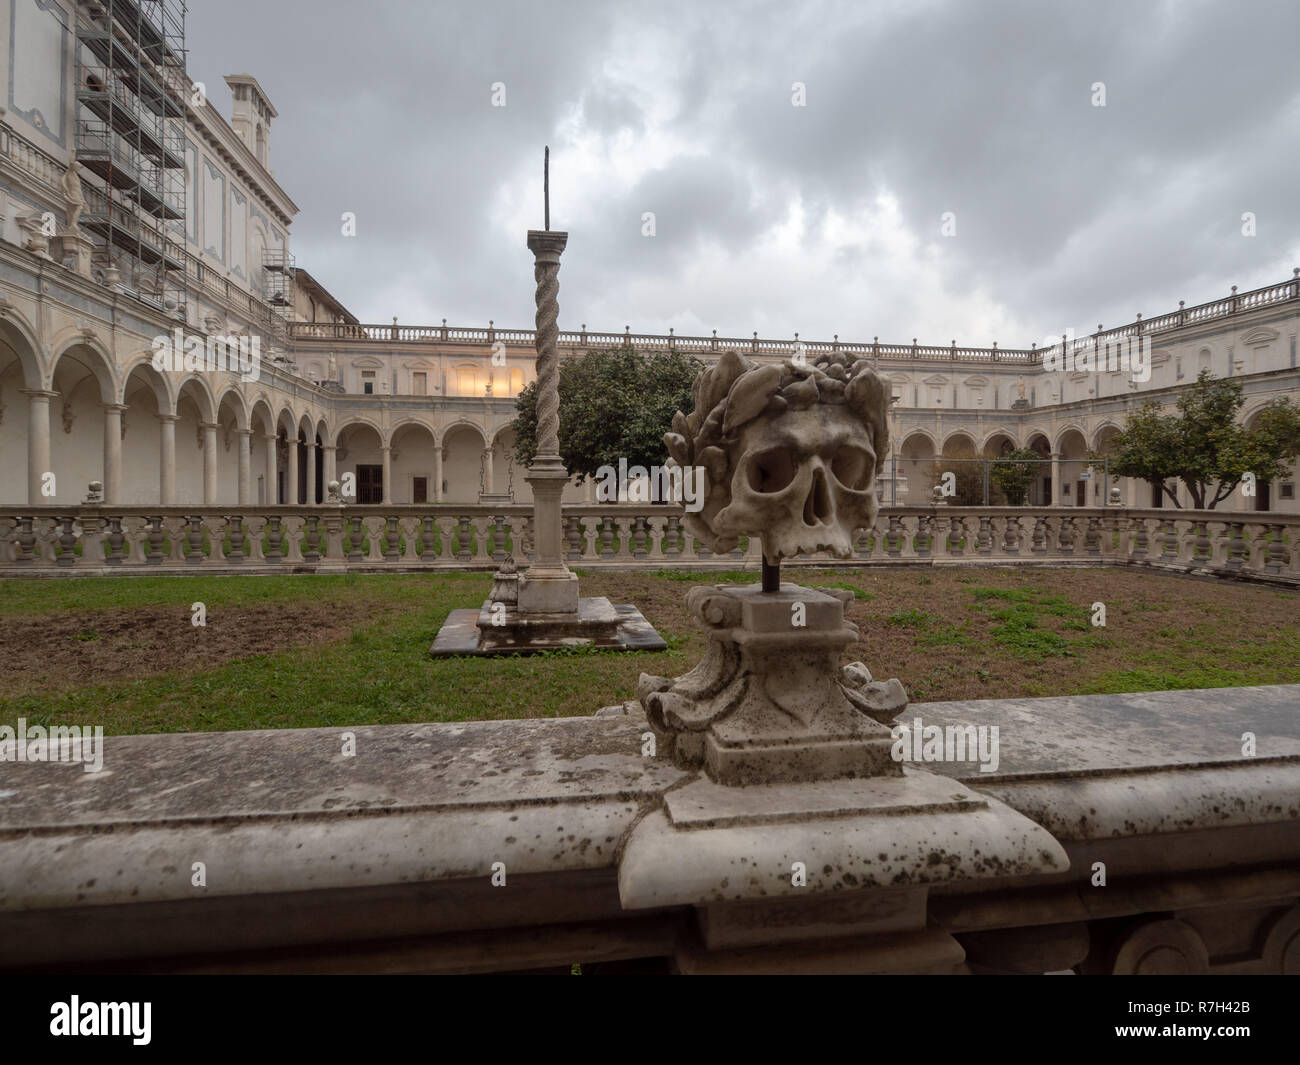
790 452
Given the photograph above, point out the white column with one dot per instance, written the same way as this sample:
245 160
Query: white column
272 470
245 460
388 474
328 457
167 458
437 474
311 470
113 452
1055 501
38 441
209 463
488 489
291 471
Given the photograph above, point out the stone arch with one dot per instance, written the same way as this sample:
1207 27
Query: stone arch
1077 481
916 455
359 451
998 443
20 368
506 480
194 407
148 402
81 373
463 446
412 458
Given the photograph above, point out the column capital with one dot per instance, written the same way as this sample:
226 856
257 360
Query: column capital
244 432
328 447
547 244
172 418
39 393
113 408
213 426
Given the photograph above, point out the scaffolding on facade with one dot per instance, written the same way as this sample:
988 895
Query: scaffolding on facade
278 270
132 90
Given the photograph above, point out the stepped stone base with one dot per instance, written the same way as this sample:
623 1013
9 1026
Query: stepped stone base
500 629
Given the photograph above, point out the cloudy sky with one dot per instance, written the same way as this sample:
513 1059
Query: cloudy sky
818 219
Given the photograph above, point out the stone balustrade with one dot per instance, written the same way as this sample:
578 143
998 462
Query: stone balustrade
488 846
51 540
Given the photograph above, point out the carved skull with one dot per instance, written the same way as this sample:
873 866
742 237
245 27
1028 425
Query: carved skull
805 481
791 452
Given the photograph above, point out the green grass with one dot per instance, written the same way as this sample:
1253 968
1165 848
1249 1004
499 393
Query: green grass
986 636
380 674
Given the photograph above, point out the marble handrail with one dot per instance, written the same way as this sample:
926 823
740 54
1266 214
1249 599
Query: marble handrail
94 537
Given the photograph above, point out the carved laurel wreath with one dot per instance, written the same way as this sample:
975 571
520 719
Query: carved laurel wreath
735 390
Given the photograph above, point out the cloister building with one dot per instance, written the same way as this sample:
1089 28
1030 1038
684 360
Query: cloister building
129 207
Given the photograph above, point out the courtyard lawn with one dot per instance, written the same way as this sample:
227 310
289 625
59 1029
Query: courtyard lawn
300 651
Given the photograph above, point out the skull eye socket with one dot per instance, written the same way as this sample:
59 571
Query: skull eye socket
853 467
771 471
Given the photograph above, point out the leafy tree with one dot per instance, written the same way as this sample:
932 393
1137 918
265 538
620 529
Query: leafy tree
1014 473
614 404
1203 445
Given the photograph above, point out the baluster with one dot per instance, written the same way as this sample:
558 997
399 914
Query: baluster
862 544
1277 553
521 547
216 530
1168 539
356 539
1011 535
374 534
655 538
1065 536
67 539
606 538
984 538
623 527
428 536
1038 541
312 554
1092 536
894 537
391 540
924 540
481 526
177 529
47 535
24 538
464 540
410 539
445 527
256 526
1140 541
292 543
235 523
137 531
573 536
498 538
672 538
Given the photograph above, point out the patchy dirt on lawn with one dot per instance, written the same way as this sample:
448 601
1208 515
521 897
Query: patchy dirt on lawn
1023 632
70 650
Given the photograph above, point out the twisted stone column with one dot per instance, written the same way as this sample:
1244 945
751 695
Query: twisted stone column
547 587
547 248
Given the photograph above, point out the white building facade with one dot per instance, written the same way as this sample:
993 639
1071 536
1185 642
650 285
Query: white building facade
183 225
